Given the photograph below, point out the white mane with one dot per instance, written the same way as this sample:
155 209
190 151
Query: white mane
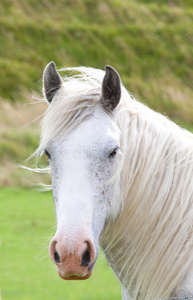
155 228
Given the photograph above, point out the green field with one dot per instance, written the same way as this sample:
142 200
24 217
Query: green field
27 223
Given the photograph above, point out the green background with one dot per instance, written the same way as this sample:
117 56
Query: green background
150 43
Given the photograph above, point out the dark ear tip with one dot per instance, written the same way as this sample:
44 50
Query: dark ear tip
107 67
51 81
50 65
111 70
111 89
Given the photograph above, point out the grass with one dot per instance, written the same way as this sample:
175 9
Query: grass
27 224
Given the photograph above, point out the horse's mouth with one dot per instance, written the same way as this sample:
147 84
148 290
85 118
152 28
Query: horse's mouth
75 276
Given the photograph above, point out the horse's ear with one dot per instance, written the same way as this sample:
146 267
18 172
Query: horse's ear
111 89
51 81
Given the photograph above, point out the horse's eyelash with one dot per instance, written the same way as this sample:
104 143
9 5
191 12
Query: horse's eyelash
47 154
114 152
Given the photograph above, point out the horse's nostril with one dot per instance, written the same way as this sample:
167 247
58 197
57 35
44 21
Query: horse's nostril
85 259
57 257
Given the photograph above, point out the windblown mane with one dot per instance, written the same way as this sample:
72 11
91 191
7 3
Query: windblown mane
152 242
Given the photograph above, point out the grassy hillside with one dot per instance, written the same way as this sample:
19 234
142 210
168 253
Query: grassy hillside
150 43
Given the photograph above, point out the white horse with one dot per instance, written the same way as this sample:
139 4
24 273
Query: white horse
122 177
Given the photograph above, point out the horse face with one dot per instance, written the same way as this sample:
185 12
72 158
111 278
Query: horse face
84 190
83 165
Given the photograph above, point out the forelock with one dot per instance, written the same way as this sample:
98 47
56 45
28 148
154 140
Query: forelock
74 102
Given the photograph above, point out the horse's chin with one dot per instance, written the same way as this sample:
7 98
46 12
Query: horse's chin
75 277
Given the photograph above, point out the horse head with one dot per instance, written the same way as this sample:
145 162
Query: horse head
84 166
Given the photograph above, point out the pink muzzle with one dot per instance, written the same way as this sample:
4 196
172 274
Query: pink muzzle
74 260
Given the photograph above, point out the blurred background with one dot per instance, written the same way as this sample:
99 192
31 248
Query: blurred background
150 44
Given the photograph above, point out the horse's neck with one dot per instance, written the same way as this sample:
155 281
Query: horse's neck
150 179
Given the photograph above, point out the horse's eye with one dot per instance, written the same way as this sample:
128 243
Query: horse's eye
47 154
113 153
